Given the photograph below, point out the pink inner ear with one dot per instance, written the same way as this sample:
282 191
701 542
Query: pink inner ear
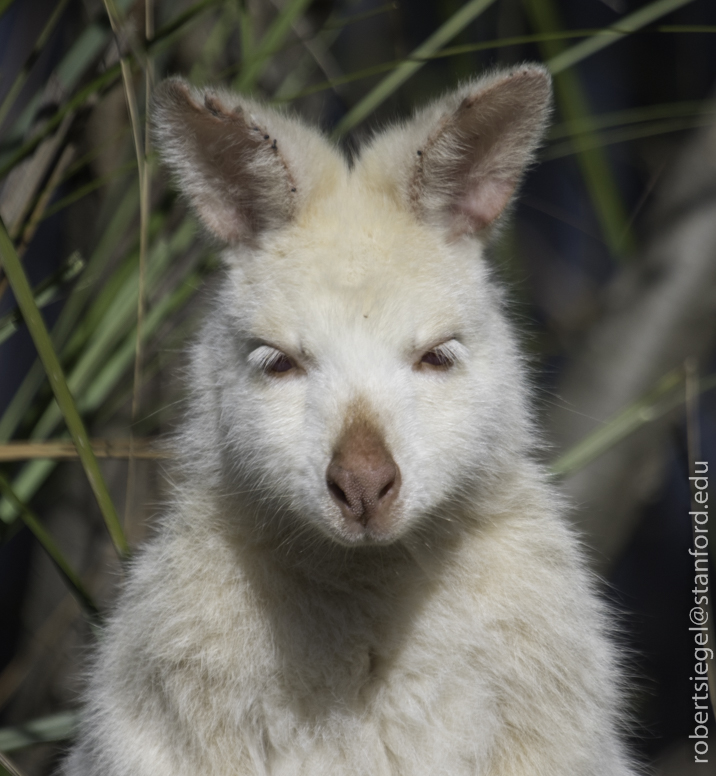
225 221
483 201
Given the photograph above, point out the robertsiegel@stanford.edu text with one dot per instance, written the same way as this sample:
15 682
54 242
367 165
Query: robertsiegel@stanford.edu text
699 614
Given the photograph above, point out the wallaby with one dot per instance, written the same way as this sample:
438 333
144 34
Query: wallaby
364 570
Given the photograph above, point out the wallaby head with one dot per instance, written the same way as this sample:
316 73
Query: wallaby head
357 378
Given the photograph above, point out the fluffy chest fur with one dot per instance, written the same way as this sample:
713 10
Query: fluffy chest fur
438 660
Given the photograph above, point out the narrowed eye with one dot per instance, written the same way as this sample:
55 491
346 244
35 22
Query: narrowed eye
279 364
441 357
271 361
437 358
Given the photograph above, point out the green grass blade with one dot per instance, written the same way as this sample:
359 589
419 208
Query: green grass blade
164 34
117 317
85 51
113 301
36 325
452 27
25 485
119 224
450 51
99 366
341 22
270 43
72 579
79 58
120 361
284 94
113 310
217 41
4 5
105 322
117 398
573 104
593 162
112 234
664 397
597 122
58 727
34 474
631 23
37 49
7 768
69 71
45 293
625 134
468 48
82 54
82 191
246 31
103 81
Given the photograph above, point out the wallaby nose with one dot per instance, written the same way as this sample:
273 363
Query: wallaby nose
362 476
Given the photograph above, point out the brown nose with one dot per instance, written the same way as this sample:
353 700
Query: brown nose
362 476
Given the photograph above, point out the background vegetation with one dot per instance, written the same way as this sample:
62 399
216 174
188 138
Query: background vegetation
611 259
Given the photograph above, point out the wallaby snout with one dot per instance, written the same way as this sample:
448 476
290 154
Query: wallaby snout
362 476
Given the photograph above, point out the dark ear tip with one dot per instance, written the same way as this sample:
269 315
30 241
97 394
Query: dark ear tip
534 73
172 93
533 81
213 104
174 97
533 69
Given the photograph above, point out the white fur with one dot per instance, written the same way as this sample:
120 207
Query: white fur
259 633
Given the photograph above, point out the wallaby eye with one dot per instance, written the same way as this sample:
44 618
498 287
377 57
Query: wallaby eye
271 361
441 357
279 364
437 358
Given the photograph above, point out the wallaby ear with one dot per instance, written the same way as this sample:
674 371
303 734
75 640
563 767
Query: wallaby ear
460 160
238 162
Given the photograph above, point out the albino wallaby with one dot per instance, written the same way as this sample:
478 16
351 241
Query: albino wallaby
363 571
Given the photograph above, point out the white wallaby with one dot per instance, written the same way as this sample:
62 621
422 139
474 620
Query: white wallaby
363 570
